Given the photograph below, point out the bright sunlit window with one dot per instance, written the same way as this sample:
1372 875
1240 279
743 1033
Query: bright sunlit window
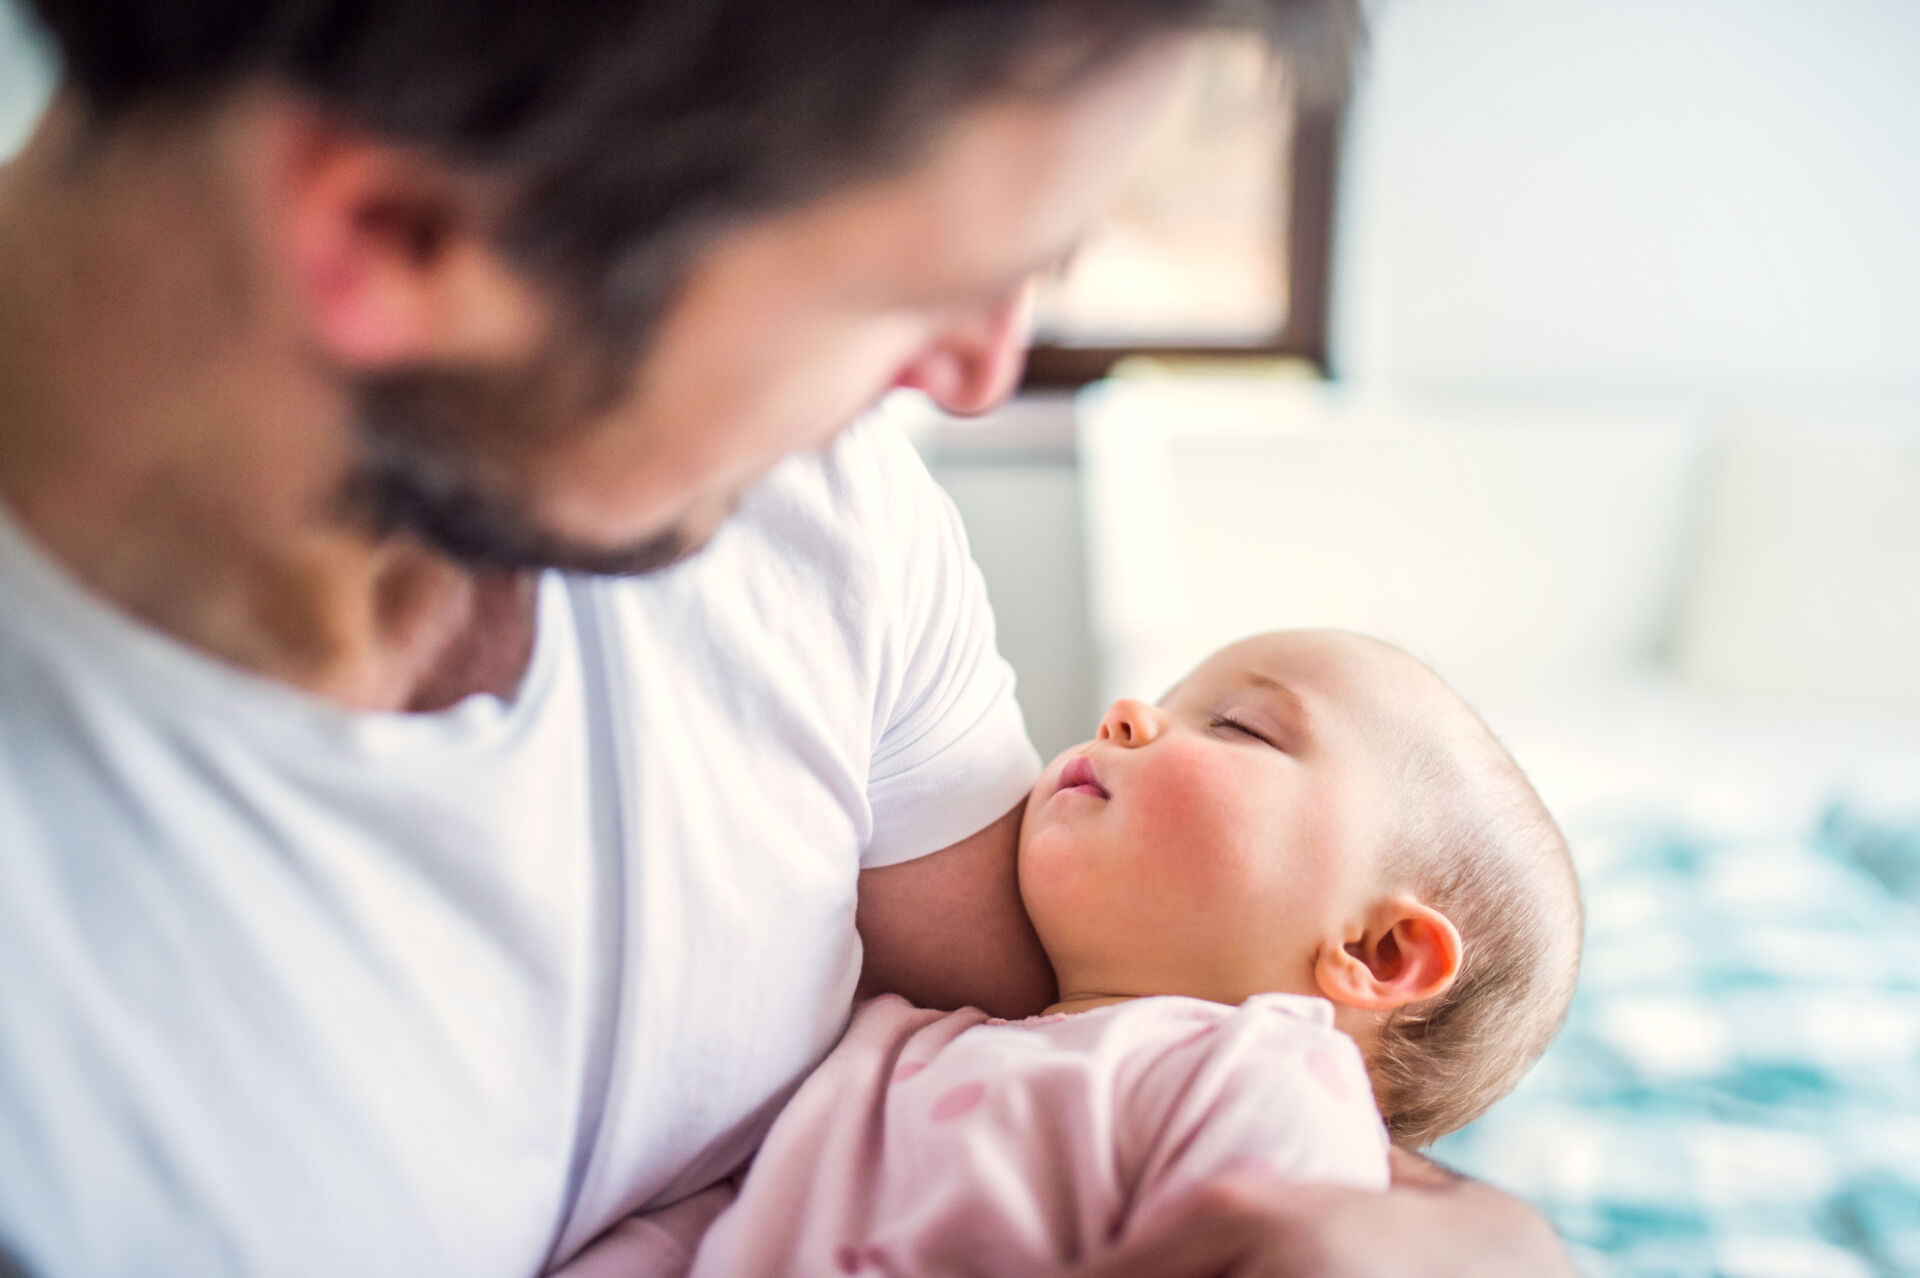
1209 248
1193 249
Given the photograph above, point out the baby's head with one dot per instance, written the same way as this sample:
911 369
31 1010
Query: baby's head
1315 812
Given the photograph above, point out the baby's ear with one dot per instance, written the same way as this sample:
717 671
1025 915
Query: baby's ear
1406 952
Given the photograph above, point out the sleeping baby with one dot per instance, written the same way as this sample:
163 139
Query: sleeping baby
1304 906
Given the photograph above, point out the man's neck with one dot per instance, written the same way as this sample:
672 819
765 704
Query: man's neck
166 444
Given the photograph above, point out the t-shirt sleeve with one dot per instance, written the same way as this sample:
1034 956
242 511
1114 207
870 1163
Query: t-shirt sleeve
1265 1094
951 752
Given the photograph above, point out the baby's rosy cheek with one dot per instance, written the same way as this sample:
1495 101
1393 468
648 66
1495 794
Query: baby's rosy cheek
1185 791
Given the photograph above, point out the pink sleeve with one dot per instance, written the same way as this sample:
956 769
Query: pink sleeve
1270 1094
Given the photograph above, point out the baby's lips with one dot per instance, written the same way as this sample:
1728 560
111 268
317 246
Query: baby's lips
1079 772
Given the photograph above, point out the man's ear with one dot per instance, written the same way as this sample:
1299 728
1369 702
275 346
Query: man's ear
1404 952
391 256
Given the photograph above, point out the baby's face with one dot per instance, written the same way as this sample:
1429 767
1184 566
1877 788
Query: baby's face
1208 845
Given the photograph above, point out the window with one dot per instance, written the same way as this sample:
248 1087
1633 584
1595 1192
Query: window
1221 246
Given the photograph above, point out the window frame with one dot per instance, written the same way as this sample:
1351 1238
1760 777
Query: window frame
1312 183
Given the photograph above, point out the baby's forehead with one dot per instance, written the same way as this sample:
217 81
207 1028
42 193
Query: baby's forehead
1328 665
1391 700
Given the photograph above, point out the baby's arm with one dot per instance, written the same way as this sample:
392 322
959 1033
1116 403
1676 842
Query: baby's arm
1263 1094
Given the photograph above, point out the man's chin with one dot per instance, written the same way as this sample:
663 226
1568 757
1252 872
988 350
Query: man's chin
487 534
497 546
418 473
636 559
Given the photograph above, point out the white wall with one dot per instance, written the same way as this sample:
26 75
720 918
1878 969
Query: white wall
1702 197
1015 478
1024 525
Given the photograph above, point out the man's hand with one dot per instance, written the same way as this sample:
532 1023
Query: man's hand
1431 1224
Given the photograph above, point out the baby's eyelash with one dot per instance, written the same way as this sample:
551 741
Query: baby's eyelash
1228 721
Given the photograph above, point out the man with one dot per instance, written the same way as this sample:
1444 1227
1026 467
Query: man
374 898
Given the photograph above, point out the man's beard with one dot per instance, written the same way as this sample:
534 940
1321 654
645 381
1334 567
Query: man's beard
414 478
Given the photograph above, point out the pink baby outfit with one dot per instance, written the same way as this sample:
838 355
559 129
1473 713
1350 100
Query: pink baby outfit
934 1143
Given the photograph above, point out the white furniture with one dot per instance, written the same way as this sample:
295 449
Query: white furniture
1653 606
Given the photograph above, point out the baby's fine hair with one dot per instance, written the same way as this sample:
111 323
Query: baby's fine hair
1476 843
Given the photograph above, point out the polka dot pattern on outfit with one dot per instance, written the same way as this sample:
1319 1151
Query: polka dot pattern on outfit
959 1102
850 1259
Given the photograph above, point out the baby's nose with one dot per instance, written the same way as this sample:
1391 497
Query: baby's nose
1130 723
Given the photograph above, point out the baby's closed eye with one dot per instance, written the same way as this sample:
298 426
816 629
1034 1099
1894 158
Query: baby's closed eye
1231 724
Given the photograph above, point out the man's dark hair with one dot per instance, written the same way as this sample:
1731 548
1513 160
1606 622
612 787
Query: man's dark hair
626 131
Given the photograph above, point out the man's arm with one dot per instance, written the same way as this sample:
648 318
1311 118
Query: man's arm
1431 1224
948 930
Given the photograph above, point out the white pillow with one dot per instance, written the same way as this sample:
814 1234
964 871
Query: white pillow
1805 587
1510 546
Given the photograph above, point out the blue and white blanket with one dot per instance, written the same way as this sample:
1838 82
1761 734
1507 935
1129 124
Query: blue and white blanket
1737 1090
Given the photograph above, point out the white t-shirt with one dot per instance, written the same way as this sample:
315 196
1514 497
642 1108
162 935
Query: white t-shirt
288 989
